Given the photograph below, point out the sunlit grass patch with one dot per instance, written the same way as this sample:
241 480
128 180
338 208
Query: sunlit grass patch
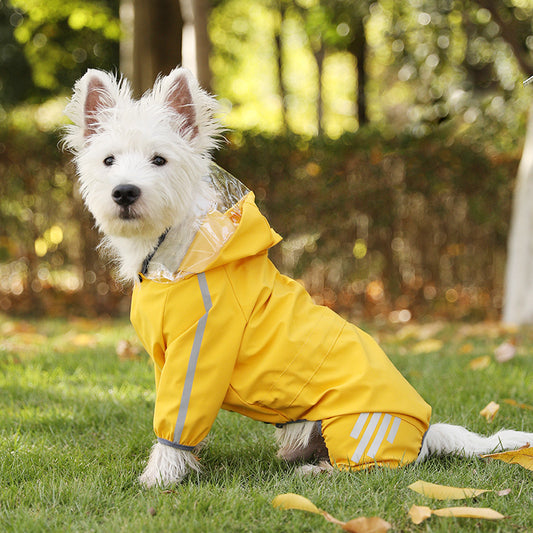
75 433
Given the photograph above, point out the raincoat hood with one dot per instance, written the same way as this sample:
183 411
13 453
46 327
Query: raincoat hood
232 229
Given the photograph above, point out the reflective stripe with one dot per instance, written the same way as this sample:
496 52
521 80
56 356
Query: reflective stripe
365 439
369 431
378 439
361 420
193 359
393 429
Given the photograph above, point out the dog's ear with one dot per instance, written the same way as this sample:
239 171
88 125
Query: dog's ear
179 98
97 98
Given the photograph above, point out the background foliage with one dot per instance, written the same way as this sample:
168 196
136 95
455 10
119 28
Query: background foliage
381 137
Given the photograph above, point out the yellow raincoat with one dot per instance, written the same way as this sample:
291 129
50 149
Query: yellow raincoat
231 332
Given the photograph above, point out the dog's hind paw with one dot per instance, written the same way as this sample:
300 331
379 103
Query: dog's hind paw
313 470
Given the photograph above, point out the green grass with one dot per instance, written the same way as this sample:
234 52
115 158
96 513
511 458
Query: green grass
75 432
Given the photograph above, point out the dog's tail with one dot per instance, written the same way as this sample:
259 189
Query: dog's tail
442 439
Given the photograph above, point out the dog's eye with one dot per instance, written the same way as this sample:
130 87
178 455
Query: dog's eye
109 160
158 161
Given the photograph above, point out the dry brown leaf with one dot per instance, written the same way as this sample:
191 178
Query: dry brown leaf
523 457
505 352
518 404
126 350
479 363
420 513
374 524
443 492
503 492
490 411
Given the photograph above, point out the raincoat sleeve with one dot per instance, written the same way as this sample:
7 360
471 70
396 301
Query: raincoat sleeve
200 354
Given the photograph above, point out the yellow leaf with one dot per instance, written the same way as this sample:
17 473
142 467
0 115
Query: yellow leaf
83 339
518 404
295 501
523 457
479 363
419 513
469 512
427 346
373 524
358 525
490 411
443 492
466 348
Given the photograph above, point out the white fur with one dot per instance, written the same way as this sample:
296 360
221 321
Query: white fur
175 121
442 439
134 131
167 466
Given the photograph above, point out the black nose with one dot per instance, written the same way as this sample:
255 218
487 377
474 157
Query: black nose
125 195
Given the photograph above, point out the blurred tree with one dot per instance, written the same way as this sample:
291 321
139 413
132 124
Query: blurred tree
201 13
337 25
157 40
13 63
514 21
60 40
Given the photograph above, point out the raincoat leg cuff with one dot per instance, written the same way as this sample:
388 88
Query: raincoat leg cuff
175 445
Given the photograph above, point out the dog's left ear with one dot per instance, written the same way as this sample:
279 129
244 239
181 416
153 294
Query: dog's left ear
179 98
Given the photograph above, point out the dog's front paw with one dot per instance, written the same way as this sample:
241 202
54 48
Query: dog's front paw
167 466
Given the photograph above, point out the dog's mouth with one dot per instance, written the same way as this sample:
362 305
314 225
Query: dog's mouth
127 213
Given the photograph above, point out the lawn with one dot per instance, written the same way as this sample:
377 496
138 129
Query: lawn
75 432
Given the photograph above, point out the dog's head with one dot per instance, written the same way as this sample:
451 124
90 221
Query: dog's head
140 161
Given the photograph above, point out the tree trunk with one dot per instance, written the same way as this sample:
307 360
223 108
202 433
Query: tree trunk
157 37
358 48
279 55
518 297
319 57
201 10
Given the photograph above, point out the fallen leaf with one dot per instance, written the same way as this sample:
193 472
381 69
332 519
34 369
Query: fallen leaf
523 456
373 524
466 348
427 346
518 404
358 525
295 501
469 512
490 411
503 492
83 340
505 352
443 492
479 363
126 350
420 513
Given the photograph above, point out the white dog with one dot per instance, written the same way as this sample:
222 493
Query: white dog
224 328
